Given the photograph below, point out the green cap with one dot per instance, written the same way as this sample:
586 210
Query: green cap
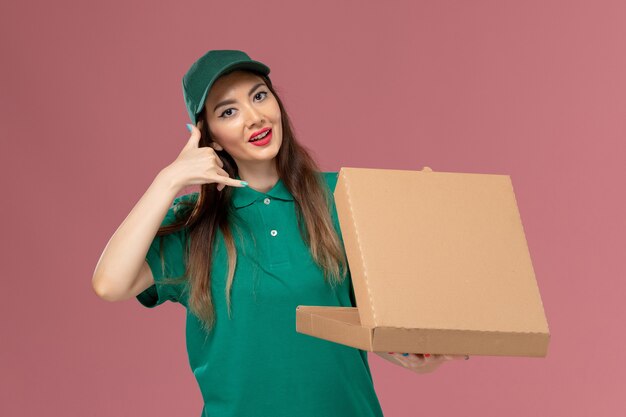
208 68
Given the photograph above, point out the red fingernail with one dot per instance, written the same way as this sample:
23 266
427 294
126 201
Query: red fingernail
427 355
391 353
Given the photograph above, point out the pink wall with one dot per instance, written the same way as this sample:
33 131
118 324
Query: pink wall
91 109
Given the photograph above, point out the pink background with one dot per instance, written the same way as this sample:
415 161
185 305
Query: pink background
92 108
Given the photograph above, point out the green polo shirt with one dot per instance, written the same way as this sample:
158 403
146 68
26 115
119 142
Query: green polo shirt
255 364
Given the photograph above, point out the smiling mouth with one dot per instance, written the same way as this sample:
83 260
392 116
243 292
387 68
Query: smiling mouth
261 136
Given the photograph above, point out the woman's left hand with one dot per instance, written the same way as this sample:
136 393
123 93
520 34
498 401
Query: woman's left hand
423 362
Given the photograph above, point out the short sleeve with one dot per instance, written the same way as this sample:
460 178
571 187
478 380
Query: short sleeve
173 264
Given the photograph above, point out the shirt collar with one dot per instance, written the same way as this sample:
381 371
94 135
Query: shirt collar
244 196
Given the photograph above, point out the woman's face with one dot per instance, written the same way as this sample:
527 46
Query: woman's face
238 106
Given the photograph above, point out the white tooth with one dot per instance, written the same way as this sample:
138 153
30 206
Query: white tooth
262 135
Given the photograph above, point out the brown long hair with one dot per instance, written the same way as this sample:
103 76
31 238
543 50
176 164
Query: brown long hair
212 210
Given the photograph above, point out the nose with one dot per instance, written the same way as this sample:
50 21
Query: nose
253 116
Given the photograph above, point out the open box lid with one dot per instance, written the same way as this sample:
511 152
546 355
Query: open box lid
437 250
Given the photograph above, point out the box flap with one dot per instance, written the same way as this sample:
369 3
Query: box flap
437 250
335 324
342 325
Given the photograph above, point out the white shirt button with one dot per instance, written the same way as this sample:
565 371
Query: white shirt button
273 233
266 201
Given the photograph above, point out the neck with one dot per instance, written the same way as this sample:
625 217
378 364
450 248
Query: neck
261 177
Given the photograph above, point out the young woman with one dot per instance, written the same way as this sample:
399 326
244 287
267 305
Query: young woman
260 238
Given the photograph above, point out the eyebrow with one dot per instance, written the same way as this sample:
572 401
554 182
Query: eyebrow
224 102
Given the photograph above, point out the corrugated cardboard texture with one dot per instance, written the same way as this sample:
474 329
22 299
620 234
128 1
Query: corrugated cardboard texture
338 324
440 260
342 325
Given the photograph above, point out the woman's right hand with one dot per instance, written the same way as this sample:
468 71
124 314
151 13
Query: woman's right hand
196 166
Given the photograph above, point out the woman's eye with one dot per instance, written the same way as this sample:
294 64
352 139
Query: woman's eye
261 92
224 112
231 109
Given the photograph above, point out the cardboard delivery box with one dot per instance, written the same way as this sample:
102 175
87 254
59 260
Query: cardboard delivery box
439 264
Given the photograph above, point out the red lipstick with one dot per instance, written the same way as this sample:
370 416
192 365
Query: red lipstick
263 141
258 133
